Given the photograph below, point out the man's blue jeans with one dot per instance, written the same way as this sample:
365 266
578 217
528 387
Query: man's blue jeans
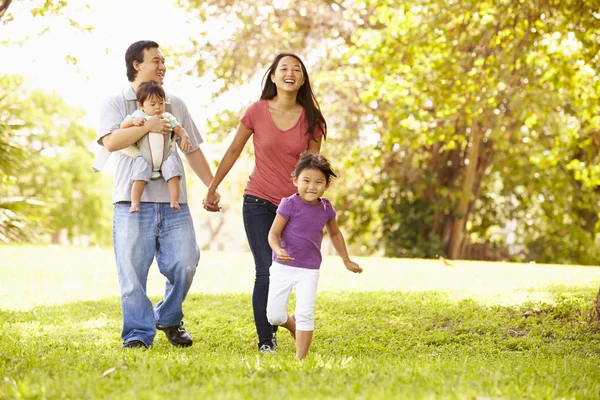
259 215
155 231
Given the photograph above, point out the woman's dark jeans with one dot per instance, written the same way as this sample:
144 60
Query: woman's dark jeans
259 215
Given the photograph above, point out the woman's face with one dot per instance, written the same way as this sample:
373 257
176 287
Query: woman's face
288 75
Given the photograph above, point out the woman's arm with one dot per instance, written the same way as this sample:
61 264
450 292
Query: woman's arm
229 158
315 146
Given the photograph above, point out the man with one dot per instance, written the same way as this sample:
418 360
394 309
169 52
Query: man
156 230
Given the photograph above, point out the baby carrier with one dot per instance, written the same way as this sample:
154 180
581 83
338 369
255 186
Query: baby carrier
154 147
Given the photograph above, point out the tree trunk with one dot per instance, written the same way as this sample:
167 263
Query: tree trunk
461 216
213 232
597 316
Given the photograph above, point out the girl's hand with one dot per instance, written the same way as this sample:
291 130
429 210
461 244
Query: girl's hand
282 255
184 144
353 267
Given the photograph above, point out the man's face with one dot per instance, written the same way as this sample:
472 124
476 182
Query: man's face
152 68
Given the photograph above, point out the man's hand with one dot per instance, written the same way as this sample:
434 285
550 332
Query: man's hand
211 202
158 124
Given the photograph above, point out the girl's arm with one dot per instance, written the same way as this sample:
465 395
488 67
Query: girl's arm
337 239
275 241
231 155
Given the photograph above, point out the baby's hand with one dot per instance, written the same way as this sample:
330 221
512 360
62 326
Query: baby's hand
282 255
138 121
184 143
353 267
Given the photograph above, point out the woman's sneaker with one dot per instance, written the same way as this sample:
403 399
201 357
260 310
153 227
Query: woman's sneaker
266 349
274 340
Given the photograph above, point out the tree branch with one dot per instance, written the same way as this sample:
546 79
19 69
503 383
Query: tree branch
3 7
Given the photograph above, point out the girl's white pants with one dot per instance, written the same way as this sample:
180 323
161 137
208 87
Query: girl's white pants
283 279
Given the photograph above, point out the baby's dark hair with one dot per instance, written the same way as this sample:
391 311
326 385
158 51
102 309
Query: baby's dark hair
310 160
149 89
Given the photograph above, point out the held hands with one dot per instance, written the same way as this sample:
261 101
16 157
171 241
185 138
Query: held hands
353 267
282 255
158 124
211 201
184 143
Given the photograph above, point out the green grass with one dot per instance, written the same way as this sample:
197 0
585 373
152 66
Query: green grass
402 329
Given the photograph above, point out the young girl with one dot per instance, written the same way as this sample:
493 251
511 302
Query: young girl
285 122
295 238
151 101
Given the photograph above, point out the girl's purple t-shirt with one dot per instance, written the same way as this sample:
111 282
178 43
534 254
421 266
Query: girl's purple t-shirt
303 233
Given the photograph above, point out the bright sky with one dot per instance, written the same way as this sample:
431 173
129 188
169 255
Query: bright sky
100 69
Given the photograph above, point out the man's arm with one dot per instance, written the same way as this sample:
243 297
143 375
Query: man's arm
122 138
200 166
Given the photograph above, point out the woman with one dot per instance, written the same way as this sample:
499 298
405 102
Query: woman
285 122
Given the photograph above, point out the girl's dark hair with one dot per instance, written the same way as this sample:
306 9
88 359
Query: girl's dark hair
310 160
305 96
135 52
149 89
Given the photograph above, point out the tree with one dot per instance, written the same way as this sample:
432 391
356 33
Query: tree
14 225
449 119
51 184
36 7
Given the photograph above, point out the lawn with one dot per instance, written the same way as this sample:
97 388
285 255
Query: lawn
402 329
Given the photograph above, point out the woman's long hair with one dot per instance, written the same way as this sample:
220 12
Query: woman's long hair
305 96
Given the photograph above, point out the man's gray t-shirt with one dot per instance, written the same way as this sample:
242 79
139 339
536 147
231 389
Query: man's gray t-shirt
113 112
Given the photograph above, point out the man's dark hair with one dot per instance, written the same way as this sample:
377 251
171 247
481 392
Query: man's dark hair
135 52
149 89
310 160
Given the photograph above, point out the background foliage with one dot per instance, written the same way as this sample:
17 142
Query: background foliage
450 121
460 129
48 187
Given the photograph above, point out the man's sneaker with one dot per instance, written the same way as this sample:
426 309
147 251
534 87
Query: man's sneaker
134 344
176 335
266 349
274 340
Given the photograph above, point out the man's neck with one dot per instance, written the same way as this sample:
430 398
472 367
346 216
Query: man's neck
136 84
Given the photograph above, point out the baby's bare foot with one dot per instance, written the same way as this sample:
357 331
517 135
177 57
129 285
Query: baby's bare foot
135 207
175 206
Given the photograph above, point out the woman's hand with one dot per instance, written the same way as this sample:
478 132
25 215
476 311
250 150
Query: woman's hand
211 201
